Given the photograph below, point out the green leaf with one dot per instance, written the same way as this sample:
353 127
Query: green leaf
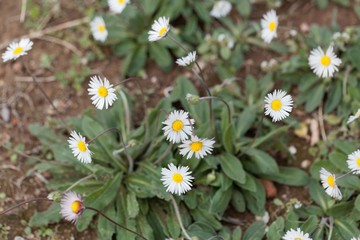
132 204
204 216
161 56
270 135
347 229
51 215
150 6
232 167
290 176
317 193
255 232
238 201
228 138
138 61
315 96
310 224
357 203
260 163
245 121
236 234
244 8
341 209
334 97
276 229
322 4
255 201
220 201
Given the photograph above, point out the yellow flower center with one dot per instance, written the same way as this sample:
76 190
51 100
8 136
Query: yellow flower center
121 1
18 50
81 146
276 105
102 91
177 125
298 238
101 28
325 61
196 146
358 162
162 31
331 181
76 207
272 26
177 177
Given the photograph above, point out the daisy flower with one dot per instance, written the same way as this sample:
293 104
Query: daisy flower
71 206
178 126
221 9
98 29
117 6
102 91
199 147
328 181
187 60
176 179
324 64
159 29
296 235
355 238
17 49
353 117
354 161
79 147
269 25
278 105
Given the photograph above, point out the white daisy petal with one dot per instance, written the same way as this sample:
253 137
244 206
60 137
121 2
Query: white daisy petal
176 179
159 29
354 161
71 206
79 147
328 181
324 64
187 60
17 49
278 105
102 92
196 146
178 126
117 6
98 29
221 9
269 25
296 235
353 117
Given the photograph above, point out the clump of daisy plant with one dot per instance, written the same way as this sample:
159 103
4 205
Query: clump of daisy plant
354 162
324 64
278 105
102 92
117 6
178 126
17 49
269 25
98 29
79 147
200 147
328 181
159 29
177 180
221 9
187 60
297 234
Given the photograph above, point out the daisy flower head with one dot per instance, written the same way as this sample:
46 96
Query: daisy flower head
98 29
79 147
187 60
102 92
355 238
159 29
17 49
269 25
328 181
72 206
324 64
220 9
200 147
176 179
353 117
178 126
296 235
117 6
354 161
278 105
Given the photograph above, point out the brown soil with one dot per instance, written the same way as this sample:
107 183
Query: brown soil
27 105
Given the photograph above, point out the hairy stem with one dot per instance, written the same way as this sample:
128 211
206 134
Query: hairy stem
22 203
178 216
79 181
223 101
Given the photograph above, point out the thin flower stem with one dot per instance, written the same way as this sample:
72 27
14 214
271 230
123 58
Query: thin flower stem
331 227
345 79
177 212
22 203
130 160
166 152
223 101
341 176
79 181
115 223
